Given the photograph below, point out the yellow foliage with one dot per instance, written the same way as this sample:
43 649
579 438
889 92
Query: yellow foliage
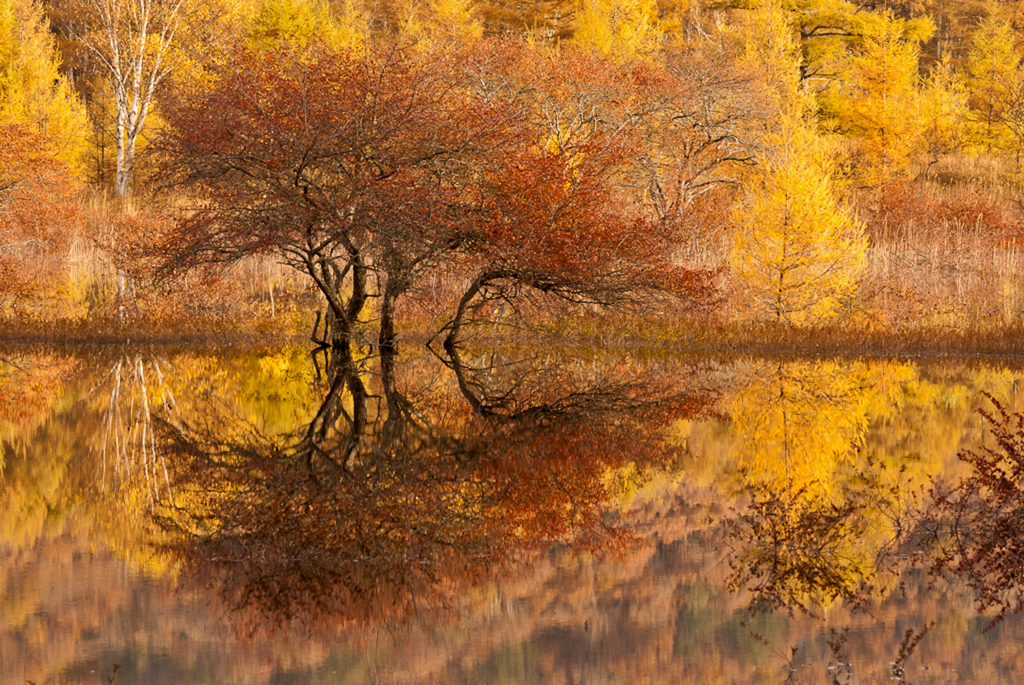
216 26
942 110
796 422
32 89
674 16
992 66
622 29
297 24
882 97
772 52
820 510
351 26
796 252
454 21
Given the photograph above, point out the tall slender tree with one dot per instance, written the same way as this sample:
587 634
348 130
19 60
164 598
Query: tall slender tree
131 40
881 98
992 66
797 252
942 110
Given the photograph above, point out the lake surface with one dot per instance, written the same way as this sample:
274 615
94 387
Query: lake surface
497 516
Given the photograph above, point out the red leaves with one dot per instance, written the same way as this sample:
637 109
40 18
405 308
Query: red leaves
986 515
394 162
333 148
37 209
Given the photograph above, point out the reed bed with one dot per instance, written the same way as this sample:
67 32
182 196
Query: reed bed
943 277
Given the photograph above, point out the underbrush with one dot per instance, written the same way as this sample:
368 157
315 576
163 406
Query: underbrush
254 299
942 257
945 261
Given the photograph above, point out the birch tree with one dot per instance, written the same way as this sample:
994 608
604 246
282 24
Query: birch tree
131 39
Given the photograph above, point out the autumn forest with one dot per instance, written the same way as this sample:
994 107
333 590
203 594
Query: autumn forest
175 167
558 341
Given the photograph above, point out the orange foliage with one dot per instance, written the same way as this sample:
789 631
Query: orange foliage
37 212
909 211
365 516
387 165
28 387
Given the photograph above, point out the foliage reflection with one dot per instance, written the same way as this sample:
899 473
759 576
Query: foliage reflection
820 525
405 488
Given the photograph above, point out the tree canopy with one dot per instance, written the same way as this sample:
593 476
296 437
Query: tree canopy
374 168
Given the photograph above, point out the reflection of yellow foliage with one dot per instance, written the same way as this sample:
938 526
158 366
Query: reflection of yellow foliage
800 549
276 365
796 422
835 456
885 386
627 483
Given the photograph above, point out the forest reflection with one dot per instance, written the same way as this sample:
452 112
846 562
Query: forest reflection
474 486
408 485
825 519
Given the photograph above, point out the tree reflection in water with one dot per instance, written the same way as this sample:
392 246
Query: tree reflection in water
401 493
824 523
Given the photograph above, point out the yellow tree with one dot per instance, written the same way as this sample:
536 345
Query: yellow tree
992 66
797 253
214 29
881 98
825 29
454 21
33 92
622 29
774 54
942 110
298 23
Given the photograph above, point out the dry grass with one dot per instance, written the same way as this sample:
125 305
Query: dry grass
942 257
254 299
944 277
683 337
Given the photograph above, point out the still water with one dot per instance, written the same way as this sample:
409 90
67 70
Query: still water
481 516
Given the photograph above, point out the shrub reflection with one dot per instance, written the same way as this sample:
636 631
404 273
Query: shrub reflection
404 489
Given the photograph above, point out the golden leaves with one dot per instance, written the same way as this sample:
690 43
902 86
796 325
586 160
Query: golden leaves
797 252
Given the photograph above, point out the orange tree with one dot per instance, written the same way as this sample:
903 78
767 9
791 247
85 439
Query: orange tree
37 207
374 510
368 170
341 165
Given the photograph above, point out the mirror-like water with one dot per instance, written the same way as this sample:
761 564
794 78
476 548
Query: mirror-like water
208 516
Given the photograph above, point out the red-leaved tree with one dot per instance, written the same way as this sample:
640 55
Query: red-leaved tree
368 171
37 211
346 167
